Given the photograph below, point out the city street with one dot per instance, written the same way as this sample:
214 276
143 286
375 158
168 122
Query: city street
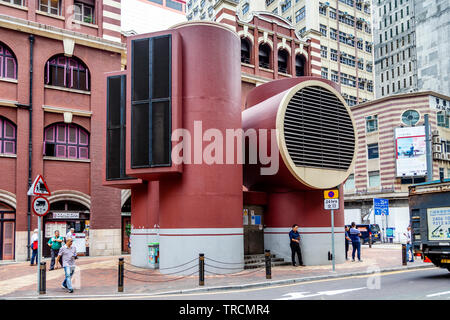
280 151
401 285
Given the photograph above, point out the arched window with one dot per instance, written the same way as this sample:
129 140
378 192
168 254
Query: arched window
66 141
299 66
283 61
245 50
8 63
7 136
264 55
67 72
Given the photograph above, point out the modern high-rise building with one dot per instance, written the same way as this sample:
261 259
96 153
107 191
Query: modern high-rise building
411 46
433 45
395 47
343 28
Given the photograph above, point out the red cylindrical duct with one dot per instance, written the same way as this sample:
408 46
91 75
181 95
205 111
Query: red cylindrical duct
315 135
201 209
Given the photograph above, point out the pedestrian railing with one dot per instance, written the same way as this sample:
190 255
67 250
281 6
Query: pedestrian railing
201 266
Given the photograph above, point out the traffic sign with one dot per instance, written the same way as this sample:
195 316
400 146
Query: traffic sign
40 206
39 187
331 194
331 204
381 206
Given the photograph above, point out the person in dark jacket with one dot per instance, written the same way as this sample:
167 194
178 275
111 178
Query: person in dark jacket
356 242
294 239
347 241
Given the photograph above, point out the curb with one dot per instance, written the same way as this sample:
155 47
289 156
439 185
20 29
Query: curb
290 281
229 287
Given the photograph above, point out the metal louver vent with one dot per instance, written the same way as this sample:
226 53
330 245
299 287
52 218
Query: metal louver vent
318 130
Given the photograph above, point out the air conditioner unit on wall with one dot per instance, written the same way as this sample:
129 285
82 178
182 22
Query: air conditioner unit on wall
437 156
437 148
437 139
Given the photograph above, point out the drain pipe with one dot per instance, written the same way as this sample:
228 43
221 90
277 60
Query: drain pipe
30 142
29 107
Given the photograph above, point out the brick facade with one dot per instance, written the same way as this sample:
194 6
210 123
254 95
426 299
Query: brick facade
75 180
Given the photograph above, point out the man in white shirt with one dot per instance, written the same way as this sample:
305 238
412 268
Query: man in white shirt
70 234
409 248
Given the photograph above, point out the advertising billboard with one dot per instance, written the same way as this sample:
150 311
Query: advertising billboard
439 224
410 151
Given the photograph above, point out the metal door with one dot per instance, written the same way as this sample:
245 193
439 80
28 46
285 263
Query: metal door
253 230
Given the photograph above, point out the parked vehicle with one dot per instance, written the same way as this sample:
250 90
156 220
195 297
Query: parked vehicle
429 205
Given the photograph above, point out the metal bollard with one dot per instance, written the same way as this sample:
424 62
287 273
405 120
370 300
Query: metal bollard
370 241
404 260
42 278
268 264
120 276
201 269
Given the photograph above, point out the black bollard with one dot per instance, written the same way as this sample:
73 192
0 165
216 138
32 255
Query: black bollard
201 269
268 265
120 276
370 241
42 278
404 260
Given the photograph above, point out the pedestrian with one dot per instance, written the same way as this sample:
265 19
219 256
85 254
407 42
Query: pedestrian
356 242
68 254
294 238
347 241
70 233
409 248
55 244
34 247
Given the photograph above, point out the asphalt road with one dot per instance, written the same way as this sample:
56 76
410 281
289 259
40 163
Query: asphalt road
419 284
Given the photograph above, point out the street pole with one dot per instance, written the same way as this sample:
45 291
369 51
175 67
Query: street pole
428 149
39 253
332 241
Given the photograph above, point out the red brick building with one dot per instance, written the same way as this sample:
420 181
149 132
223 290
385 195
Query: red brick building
270 47
61 49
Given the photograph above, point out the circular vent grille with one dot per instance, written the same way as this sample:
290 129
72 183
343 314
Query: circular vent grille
318 130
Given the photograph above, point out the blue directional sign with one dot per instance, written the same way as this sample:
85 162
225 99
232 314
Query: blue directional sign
381 206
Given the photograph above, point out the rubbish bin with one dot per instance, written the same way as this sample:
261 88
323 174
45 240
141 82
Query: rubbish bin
153 255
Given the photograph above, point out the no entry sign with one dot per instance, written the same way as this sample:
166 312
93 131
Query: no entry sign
40 206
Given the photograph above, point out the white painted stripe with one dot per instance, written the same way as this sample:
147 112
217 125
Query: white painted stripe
111 38
316 54
200 231
56 34
316 72
112 27
315 45
225 15
112 4
438 294
316 63
111 15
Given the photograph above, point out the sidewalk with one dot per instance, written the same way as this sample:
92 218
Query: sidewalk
98 276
